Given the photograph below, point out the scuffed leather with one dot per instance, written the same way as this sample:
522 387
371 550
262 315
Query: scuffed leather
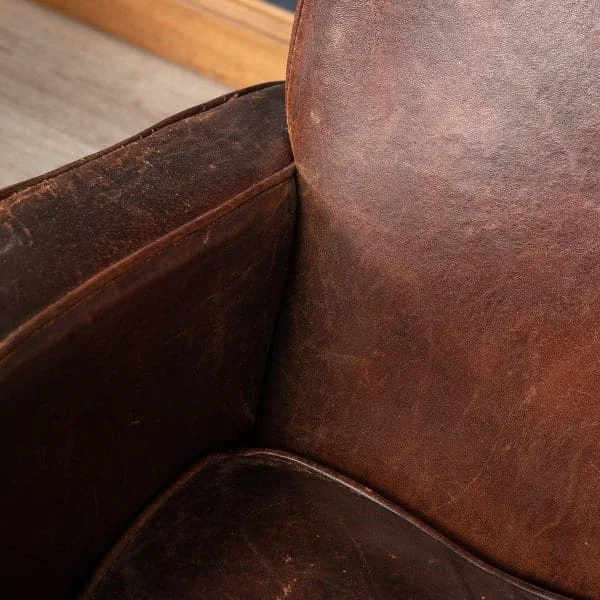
58 230
441 335
262 525
142 303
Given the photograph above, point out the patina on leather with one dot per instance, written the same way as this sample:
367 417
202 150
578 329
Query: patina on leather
268 525
441 336
143 285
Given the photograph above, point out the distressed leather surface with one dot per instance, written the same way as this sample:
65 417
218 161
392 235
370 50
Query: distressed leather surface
441 335
98 211
259 524
139 293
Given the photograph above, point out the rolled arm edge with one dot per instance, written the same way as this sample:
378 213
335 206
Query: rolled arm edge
139 291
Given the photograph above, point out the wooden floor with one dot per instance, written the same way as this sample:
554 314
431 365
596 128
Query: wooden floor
67 90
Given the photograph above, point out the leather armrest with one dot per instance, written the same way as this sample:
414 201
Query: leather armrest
138 292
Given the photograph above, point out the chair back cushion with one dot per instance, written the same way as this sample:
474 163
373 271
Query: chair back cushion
441 337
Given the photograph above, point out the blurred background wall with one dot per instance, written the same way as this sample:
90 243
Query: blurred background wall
289 4
79 75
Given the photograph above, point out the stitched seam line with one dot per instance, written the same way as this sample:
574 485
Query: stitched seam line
316 469
354 486
203 220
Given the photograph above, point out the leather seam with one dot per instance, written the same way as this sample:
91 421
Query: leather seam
16 339
105 566
292 59
373 496
137 524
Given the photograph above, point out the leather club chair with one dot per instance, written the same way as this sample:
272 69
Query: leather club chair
218 331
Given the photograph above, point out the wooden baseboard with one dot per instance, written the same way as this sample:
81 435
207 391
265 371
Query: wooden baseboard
238 42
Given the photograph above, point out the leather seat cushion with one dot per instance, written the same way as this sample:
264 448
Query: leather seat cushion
268 525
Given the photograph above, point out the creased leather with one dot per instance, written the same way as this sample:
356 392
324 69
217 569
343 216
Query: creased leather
441 334
145 296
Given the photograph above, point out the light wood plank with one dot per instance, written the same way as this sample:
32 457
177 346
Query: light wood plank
67 90
240 42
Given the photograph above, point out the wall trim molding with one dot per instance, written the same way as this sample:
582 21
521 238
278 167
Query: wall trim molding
238 42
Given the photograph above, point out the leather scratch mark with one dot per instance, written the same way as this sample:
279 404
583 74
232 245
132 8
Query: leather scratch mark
286 590
9 239
13 233
268 568
372 582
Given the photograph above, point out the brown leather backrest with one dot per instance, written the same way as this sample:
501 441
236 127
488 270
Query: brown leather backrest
441 340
